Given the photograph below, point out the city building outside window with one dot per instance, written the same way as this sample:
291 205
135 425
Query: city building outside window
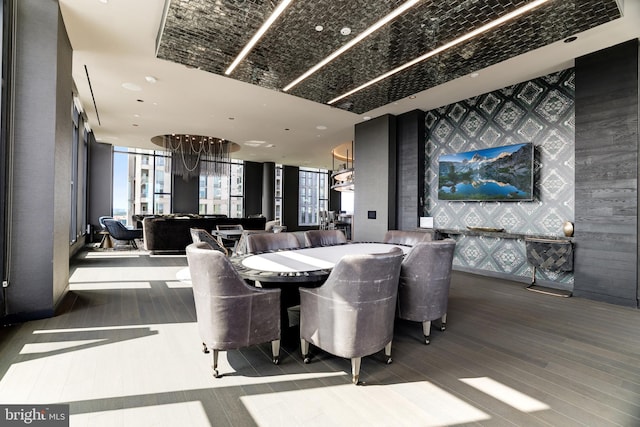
223 195
313 195
141 183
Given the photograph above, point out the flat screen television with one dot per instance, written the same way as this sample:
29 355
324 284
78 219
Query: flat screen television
492 174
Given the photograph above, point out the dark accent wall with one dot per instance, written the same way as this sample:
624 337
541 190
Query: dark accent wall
253 173
100 199
38 272
290 197
375 178
606 185
268 190
410 185
184 197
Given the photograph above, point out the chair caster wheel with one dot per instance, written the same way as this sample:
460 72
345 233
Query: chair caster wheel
389 360
276 360
216 374
306 360
427 341
443 328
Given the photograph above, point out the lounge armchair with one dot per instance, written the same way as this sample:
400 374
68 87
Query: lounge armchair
230 313
423 290
351 315
118 231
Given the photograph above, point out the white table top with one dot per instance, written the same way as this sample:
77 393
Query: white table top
312 259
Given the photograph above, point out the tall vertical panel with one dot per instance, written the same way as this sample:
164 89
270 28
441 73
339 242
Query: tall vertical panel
268 190
253 172
410 185
606 194
100 202
185 194
375 178
290 197
39 266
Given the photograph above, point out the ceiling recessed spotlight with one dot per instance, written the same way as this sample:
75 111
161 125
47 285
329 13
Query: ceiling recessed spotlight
474 75
150 79
104 1
412 97
232 118
131 86
321 127
345 31
319 28
270 145
570 39
140 100
286 128
135 125
136 115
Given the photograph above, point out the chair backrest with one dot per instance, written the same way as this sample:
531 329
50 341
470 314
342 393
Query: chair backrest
355 306
402 237
268 226
101 221
116 229
425 277
201 235
263 242
229 227
230 313
314 238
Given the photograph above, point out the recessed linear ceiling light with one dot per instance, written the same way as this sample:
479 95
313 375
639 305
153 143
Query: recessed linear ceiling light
484 28
352 43
258 35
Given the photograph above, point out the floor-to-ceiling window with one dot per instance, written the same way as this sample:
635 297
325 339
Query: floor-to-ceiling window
141 183
313 193
79 170
224 194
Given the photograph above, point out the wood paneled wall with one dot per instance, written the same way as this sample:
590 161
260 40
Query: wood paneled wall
606 176
411 168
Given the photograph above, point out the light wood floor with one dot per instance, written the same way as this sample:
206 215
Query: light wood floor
125 351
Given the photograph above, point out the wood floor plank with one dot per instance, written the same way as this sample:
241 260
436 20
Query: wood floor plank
124 350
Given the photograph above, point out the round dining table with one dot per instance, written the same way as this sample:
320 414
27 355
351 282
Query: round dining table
304 264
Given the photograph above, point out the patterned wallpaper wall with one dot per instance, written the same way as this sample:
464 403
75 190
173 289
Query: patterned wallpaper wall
539 111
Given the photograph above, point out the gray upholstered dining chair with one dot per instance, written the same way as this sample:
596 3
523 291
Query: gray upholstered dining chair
230 313
403 237
351 315
264 242
423 290
314 238
202 235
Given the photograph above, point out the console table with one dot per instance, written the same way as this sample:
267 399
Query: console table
447 232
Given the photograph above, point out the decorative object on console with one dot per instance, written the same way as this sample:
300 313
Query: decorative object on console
487 229
491 174
196 154
567 228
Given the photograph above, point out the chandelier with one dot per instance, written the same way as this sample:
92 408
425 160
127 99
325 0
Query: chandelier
193 155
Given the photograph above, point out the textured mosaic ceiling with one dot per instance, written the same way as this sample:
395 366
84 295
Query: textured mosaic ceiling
209 34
